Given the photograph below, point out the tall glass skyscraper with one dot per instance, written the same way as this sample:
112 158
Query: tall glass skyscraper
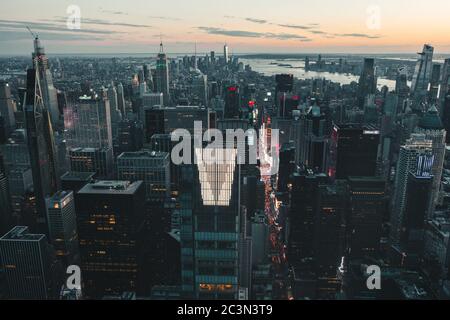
41 145
210 242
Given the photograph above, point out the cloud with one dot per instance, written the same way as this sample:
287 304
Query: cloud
14 35
295 26
357 35
317 32
252 34
260 21
165 18
39 26
101 22
114 12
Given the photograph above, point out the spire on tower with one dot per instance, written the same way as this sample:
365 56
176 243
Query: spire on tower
161 46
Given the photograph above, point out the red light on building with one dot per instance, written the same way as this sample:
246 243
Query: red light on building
251 103
296 98
232 89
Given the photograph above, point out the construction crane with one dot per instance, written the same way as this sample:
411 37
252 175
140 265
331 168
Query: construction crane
35 36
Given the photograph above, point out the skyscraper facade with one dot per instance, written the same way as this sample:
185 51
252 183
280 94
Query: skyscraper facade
110 217
41 145
162 75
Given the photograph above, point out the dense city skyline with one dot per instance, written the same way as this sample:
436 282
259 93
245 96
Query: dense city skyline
247 26
214 175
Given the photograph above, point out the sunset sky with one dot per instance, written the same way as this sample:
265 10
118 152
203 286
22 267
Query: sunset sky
265 26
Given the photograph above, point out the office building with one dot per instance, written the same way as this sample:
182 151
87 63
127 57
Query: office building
29 267
41 145
151 167
162 75
110 215
62 227
94 160
354 151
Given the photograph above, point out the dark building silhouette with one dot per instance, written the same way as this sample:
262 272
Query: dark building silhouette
41 146
354 151
110 219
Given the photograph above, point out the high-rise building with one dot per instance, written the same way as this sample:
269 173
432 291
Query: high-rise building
284 85
94 160
151 167
162 75
210 234
407 162
422 73
121 99
41 145
62 225
226 57
354 151
74 181
7 108
232 103
5 200
28 263
431 126
312 140
88 122
110 217
48 91
367 81
418 197
367 196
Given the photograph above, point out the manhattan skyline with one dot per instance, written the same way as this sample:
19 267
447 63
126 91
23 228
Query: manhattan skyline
109 27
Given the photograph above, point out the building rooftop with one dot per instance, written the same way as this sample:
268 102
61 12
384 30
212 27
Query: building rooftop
21 233
143 154
431 120
111 187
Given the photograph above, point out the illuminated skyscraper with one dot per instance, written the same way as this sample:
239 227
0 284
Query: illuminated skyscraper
210 240
62 226
162 75
226 57
110 218
431 126
407 162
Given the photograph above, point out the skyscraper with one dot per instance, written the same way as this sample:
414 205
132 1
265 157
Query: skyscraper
5 200
354 151
7 108
110 217
153 168
422 73
48 91
431 126
232 103
226 57
210 241
88 121
367 81
41 145
162 75
62 227
407 162
28 264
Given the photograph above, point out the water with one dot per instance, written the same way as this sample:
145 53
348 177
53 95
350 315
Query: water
266 67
